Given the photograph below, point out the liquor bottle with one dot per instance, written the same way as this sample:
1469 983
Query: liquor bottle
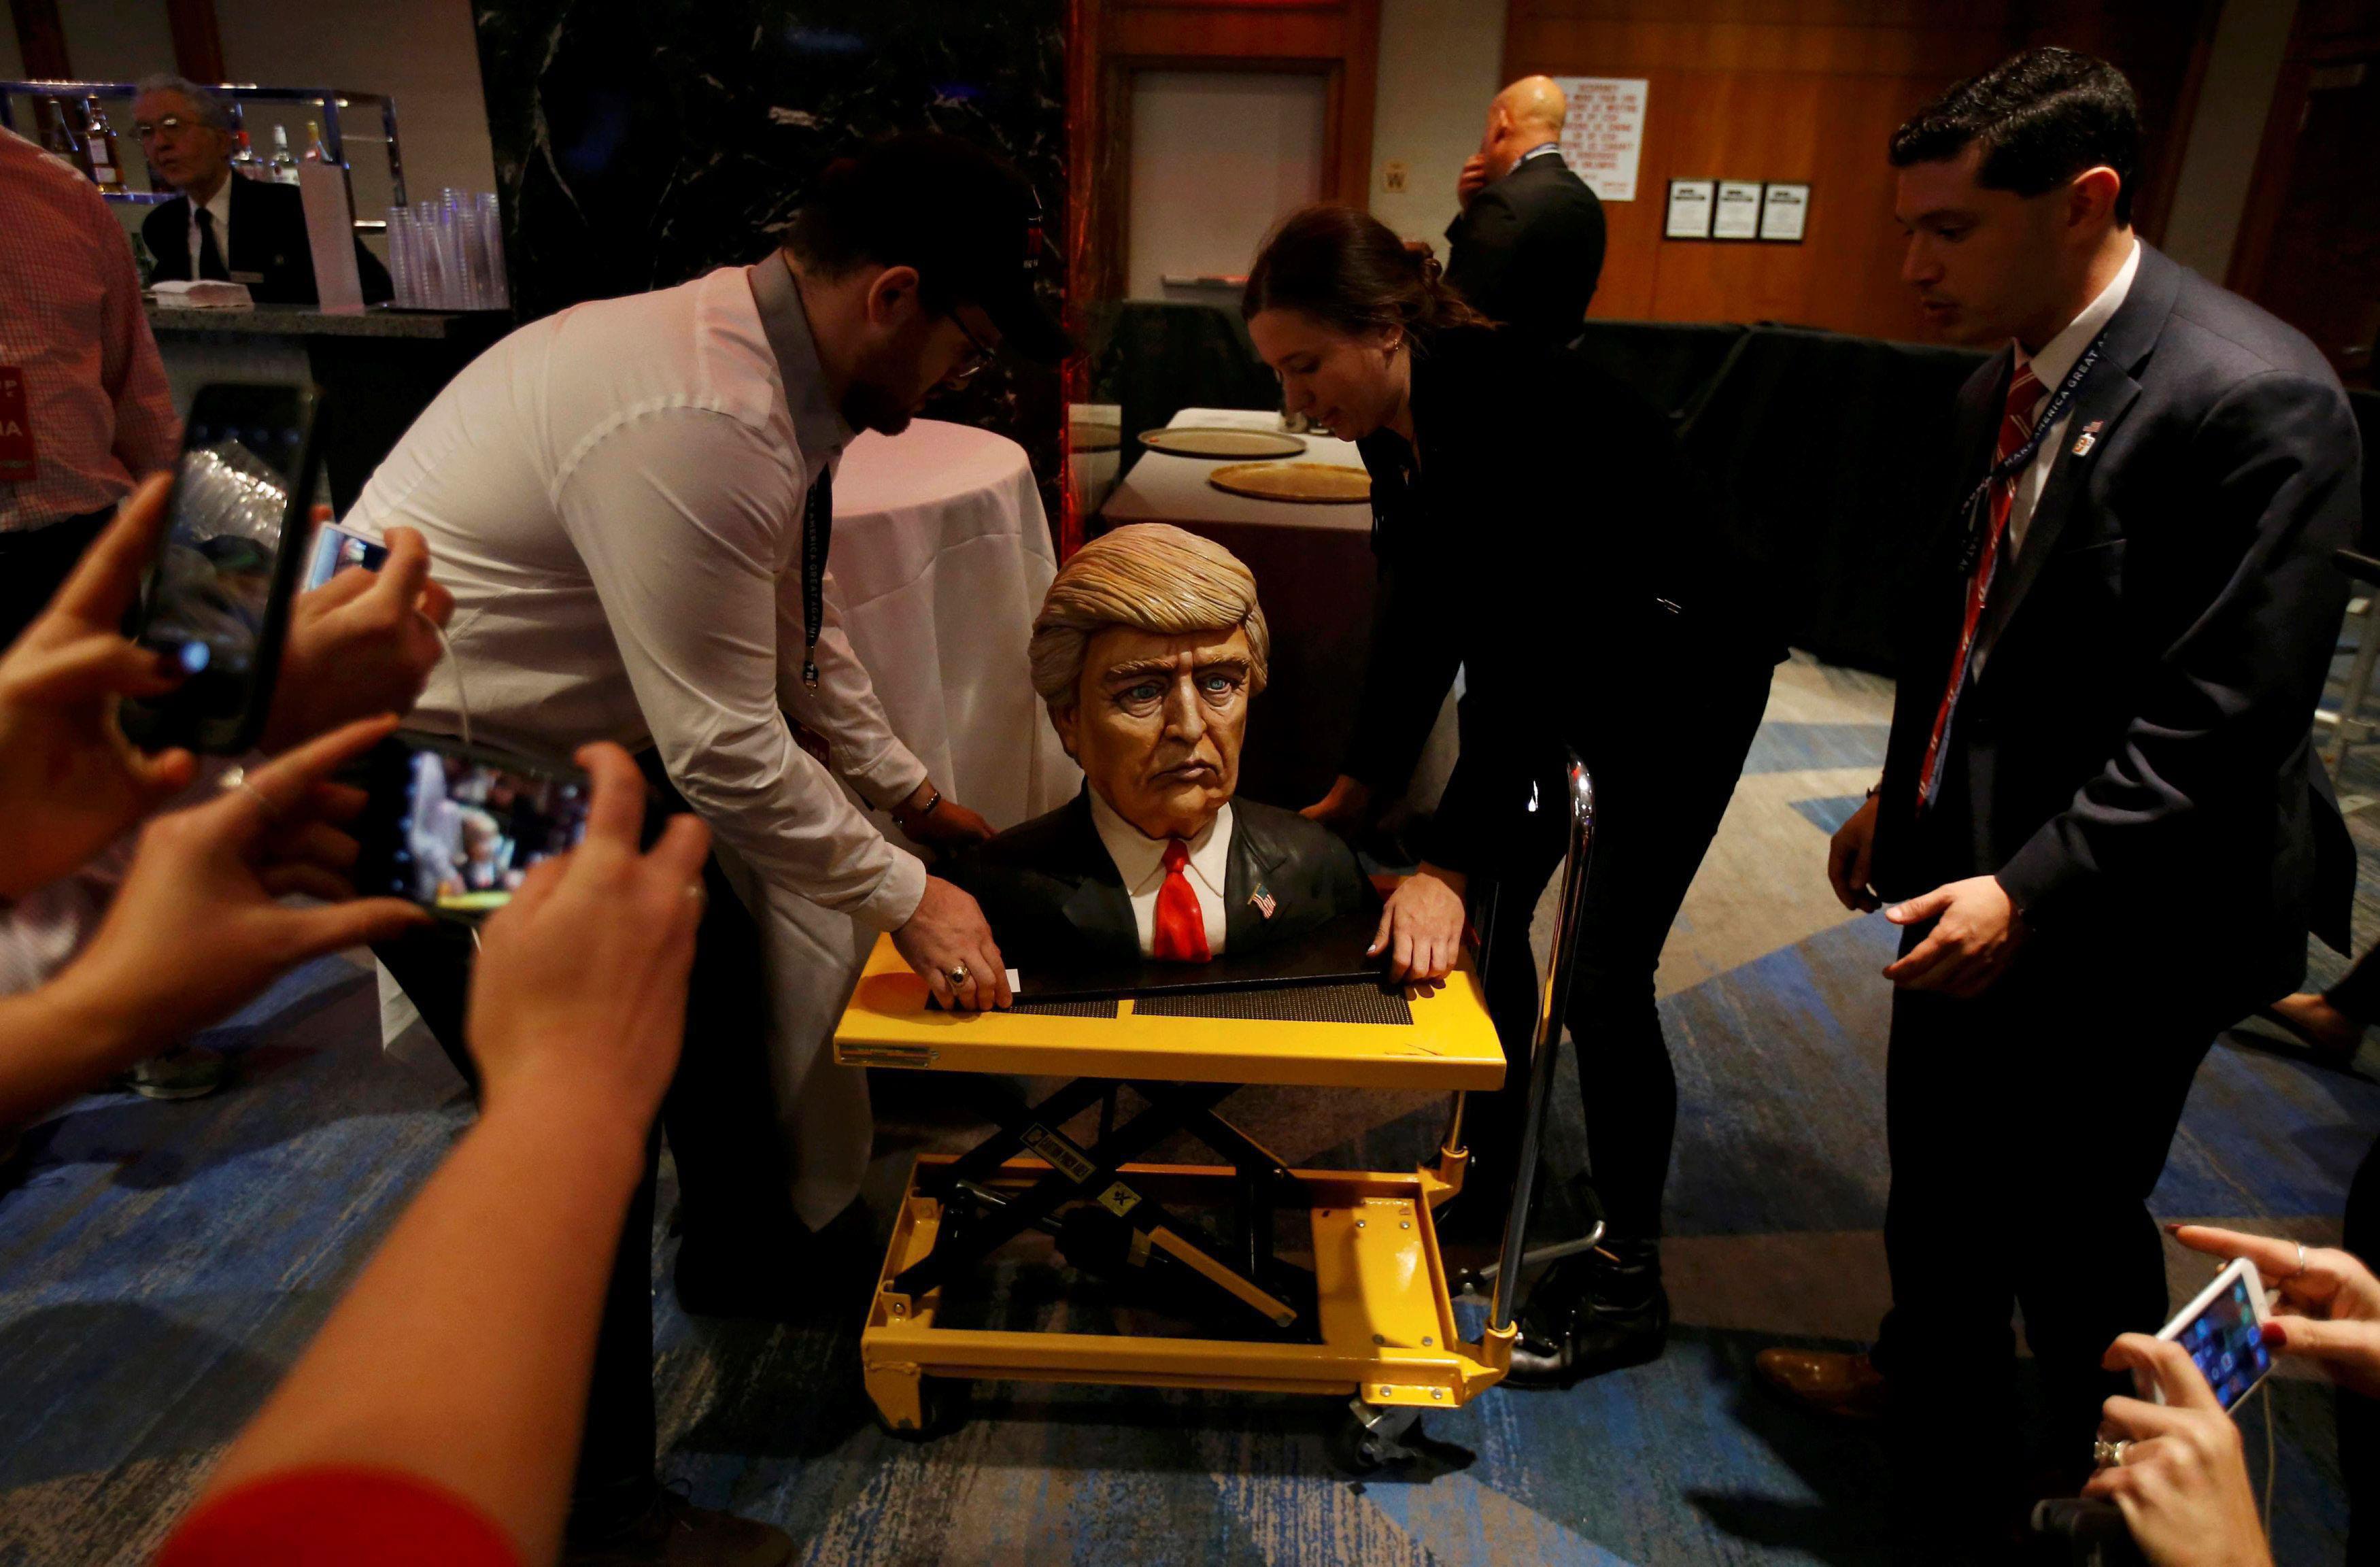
315 151
244 161
285 165
58 130
99 148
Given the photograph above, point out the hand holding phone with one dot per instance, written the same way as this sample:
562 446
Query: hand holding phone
362 641
70 784
2180 1476
2222 1331
198 928
581 981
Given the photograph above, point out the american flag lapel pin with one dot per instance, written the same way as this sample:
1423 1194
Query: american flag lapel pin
2089 438
1263 900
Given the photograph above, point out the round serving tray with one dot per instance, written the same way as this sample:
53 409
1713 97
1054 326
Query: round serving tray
1194 442
1305 483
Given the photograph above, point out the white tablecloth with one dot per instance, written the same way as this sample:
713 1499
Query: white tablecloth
941 554
1164 488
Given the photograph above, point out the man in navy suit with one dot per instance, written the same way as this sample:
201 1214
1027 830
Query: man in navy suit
2101 825
1527 247
222 226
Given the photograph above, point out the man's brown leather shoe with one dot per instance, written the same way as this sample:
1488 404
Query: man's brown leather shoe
1829 1381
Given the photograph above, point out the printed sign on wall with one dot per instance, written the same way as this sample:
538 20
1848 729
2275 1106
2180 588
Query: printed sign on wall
1604 132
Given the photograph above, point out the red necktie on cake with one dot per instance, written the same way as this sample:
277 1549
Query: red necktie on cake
1181 924
2016 428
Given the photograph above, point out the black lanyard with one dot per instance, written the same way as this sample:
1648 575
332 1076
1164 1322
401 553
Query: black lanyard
818 532
2060 403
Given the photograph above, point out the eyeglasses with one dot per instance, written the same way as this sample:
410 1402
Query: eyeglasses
979 356
148 130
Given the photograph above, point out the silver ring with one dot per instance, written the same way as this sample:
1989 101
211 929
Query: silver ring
960 974
237 779
2106 1453
2301 1259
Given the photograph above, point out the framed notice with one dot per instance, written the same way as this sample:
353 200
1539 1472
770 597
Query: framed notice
1784 212
1689 209
1604 132
1736 213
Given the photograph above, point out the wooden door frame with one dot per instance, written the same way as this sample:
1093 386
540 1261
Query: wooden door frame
2277 154
1100 119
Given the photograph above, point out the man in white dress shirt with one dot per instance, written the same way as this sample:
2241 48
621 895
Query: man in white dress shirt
633 502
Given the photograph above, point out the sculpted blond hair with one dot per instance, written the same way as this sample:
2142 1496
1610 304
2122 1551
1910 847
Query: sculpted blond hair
1151 578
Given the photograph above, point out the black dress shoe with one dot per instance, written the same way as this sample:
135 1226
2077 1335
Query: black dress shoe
1601 1311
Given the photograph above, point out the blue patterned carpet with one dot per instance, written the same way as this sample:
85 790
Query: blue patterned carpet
160 1263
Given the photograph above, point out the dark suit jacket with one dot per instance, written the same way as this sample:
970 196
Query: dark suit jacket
1553 542
2133 761
1052 893
1529 250
268 240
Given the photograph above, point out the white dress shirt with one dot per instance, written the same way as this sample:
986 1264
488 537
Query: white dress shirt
1140 860
614 497
2051 367
220 205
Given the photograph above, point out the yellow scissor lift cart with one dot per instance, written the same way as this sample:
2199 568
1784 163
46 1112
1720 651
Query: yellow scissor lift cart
1373 1322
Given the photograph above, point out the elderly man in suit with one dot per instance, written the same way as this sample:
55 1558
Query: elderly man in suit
1527 247
221 226
1147 652
2101 825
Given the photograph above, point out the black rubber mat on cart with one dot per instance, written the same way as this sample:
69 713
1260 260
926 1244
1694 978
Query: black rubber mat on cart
1314 1003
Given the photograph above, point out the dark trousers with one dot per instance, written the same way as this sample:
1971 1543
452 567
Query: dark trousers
721 1117
1661 786
2026 1128
35 562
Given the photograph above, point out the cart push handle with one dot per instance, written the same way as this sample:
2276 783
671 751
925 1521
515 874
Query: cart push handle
1579 798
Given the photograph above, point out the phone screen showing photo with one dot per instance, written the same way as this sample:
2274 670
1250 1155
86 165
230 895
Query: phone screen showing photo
212 590
2226 1343
335 548
457 831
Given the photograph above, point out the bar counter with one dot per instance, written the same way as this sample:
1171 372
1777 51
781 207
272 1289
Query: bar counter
378 369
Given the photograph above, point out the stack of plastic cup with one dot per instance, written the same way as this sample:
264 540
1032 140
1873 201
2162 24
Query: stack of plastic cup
449 254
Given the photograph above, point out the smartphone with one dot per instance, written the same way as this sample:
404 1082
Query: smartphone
216 601
335 548
456 828
2224 1331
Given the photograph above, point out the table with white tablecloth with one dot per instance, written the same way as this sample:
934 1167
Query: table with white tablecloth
1315 577
941 554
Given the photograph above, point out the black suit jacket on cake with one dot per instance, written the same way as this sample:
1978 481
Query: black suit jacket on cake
1528 251
268 242
1052 894
2132 759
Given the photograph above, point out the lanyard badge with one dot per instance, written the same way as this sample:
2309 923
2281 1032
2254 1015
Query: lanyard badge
1976 513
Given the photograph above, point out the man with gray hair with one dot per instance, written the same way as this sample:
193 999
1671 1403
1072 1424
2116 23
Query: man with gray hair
233 230
1147 649
1527 247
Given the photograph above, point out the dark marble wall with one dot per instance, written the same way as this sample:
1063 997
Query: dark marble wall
641 145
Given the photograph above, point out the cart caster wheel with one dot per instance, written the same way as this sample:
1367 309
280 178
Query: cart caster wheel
945 1402
1367 1439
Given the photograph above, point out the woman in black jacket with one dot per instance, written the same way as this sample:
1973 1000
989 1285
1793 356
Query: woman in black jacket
1537 525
